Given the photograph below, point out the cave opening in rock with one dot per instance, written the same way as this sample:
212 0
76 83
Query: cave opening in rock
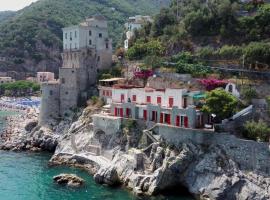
177 190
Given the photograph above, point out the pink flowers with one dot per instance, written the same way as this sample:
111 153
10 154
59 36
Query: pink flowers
211 84
143 74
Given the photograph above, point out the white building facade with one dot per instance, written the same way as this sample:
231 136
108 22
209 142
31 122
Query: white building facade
91 34
170 106
134 23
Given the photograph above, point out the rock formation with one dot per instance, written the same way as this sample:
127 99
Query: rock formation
70 180
124 157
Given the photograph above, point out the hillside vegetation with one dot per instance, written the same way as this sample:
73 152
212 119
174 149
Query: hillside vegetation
5 15
209 30
32 40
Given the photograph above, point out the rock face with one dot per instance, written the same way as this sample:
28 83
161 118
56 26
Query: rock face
209 175
24 134
206 171
70 180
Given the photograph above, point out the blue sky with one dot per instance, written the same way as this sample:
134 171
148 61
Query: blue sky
14 4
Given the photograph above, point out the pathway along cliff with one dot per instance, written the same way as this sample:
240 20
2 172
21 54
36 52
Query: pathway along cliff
125 157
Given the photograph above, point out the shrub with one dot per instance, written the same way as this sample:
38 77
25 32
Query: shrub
205 52
140 49
268 104
230 52
258 131
248 93
257 52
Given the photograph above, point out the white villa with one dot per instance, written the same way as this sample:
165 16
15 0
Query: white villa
172 106
134 23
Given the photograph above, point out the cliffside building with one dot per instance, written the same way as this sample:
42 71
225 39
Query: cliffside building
134 23
45 77
86 49
6 79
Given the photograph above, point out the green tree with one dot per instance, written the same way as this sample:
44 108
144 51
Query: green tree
220 103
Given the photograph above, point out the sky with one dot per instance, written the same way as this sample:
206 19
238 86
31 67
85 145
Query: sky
14 4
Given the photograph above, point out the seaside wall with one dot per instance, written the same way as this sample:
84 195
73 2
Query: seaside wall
250 155
50 103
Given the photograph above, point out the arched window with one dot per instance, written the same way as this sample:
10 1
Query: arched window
230 88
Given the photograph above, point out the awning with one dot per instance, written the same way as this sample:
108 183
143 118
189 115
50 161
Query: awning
199 96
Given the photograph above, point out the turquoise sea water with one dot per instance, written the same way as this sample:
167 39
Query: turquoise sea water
26 176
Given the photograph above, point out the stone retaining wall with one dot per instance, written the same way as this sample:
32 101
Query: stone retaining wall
250 155
108 124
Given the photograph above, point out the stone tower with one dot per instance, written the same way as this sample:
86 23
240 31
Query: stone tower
87 48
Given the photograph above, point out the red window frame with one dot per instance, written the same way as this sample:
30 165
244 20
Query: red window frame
161 118
145 115
134 98
159 100
186 122
171 100
121 112
122 98
168 118
177 120
128 112
148 99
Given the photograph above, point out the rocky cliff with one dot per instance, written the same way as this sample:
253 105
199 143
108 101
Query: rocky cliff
124 157
123 154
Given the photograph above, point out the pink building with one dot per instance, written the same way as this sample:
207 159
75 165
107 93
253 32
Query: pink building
45 77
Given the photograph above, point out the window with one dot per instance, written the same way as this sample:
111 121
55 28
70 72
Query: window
148 99
100 35
177 120
75 34
90 42
90 33
230 88
185 102
158 100
168 118
122 98
134 98
63 81
182 121
66 93
98 59
145 115
65 35
107 46
51 92
154 116
171 102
